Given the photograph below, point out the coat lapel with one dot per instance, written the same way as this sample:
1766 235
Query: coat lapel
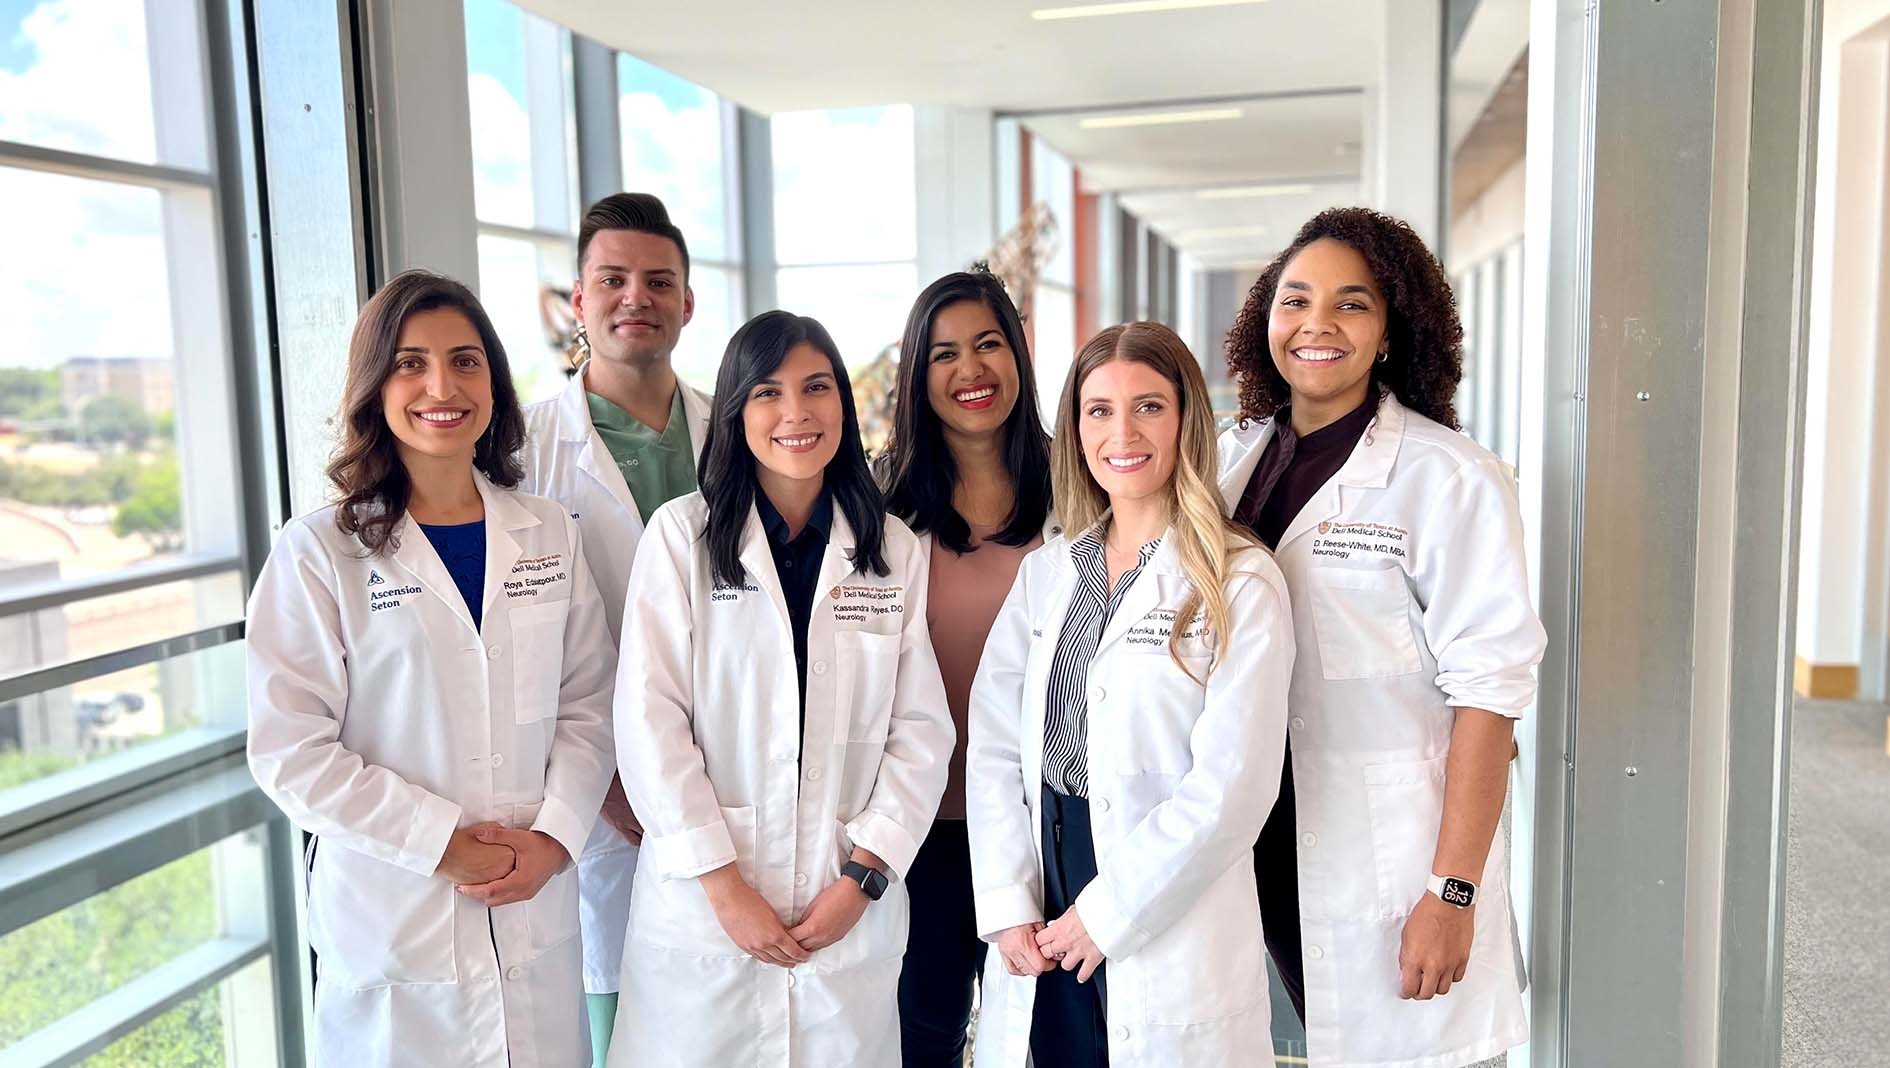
415 554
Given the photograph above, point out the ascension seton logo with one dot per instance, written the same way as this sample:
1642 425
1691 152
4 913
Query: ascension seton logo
374 579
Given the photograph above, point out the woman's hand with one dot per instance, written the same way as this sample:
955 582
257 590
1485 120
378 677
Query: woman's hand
1018 946
1067 942
1436 948
539 858
468 859
831 914
748 919
617 812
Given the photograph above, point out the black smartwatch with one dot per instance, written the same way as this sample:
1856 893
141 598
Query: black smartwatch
871 881
1461 893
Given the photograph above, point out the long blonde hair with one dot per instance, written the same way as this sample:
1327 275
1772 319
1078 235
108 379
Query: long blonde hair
1204 537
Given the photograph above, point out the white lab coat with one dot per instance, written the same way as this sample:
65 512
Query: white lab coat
380 720
713 759
566 460
1182 777
1410 599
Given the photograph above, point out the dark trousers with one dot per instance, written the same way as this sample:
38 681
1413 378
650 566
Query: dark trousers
1276 869
944 955
1067 1028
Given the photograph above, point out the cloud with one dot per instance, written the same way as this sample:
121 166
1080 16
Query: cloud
89 87
676 153
844 186
501 151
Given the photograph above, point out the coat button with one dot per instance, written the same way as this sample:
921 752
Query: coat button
515 972
1309 839
820 667
813 774
498 760
1122 1034
1298 724
1097 693
800 878
1102 804
790 980
1315 953
492 652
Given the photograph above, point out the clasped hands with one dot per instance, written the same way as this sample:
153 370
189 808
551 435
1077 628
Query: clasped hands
750 922
1035 948
498 865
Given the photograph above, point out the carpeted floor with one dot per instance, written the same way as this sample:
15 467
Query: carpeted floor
1837 902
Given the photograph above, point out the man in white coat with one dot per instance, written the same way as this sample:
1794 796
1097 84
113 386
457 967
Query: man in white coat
618 443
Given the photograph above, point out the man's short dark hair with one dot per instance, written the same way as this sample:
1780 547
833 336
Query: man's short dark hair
640 213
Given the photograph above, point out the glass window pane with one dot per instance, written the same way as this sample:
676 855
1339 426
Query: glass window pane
1053 344
718 314
525 287
844 186
672 147
45 733
207 1031
1053 182
81 77
59 964
501 123
863 307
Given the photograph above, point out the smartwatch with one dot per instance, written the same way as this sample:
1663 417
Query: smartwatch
872 882
1453 891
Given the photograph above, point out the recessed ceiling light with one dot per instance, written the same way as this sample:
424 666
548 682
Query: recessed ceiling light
1189 237
1129 7
1158 118
1299 189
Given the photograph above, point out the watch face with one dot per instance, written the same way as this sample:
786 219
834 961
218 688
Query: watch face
1458 893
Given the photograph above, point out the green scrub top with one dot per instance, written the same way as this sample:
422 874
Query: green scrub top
659 467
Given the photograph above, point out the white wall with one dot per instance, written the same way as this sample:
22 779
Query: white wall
1839 551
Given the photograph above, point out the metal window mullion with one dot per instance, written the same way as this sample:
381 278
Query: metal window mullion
79 1035
74 671
532 234
43 800
100 168
56 594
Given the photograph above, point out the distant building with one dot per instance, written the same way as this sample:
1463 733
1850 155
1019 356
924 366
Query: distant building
147 381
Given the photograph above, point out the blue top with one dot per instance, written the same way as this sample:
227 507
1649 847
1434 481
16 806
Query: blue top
462 548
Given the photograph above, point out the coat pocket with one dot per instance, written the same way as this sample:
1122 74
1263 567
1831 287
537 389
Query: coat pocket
1364 623
537 658
869 673
373 924
552 913
1407 807
1212 963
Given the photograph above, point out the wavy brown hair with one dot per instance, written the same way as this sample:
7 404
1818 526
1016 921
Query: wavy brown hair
1423 335
1205 538
369 479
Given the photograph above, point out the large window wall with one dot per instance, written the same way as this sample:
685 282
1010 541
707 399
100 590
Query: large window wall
135 912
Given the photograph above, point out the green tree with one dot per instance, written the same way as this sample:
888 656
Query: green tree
28 390
155 507
114 420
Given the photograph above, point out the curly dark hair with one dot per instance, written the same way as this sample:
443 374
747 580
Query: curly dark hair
1423 334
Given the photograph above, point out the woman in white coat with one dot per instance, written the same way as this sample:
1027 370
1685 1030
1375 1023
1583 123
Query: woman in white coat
429 679
1126 737
968 468
1401 542
781 730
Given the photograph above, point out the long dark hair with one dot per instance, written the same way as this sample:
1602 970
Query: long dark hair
917 465
1423 335
726 472
371 484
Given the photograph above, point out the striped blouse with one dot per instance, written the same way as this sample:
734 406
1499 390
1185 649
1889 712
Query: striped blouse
1066 705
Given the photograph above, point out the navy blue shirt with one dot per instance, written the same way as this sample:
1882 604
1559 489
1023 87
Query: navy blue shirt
462 548
797 565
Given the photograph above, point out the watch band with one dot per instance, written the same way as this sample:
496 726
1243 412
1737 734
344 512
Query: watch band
872 883
1459 893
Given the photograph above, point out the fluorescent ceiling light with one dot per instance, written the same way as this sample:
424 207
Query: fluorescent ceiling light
1129 7
1158 118
1238 192
1189 237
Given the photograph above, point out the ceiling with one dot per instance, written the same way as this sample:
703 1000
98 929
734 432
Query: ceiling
1295 70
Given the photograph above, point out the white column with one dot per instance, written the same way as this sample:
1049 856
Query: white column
1404 117
423 136
955 186
1847 287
